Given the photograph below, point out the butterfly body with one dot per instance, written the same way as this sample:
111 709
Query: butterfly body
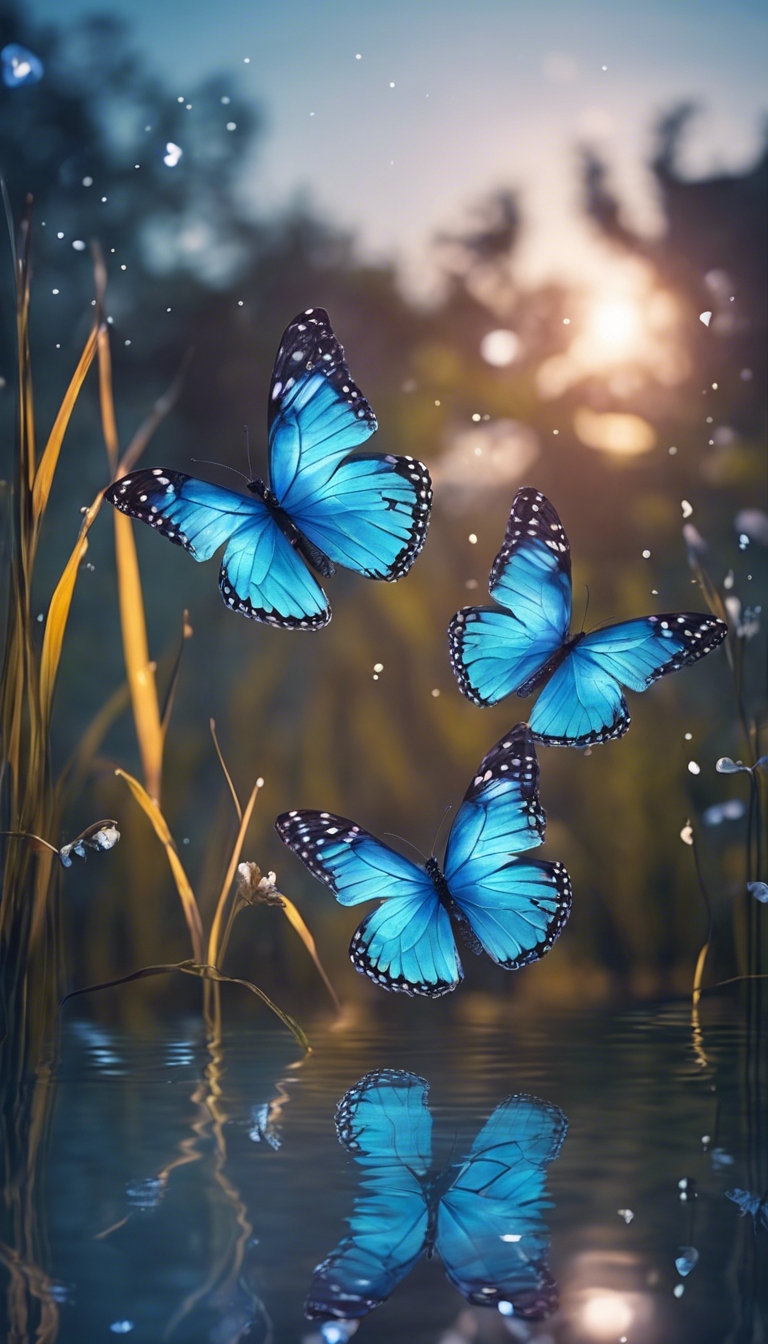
368 512
509 907
481 1215
524 644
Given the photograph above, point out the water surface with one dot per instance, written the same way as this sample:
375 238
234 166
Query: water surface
189 1192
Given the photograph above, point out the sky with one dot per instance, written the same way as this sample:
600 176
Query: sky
394 118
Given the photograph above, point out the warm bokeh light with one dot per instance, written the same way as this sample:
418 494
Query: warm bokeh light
604 1315
616 324
614 432
500 347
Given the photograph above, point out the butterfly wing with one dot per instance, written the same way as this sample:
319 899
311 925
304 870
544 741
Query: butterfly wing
495 652
582 702
261 575
515 908
370 513
384 1122
407 943
491 1233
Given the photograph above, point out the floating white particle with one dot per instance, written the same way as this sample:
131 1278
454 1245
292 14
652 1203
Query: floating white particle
172 154
40 617
239 303
391 85
646 555
435 693
471 584
654 592
188 106
603 67
246 60
626 1214
437 403
679 1289
110 320
688 736
79 245
231 125
686 507
167 310
714 387
87 181
672 451
127 342
759 890
555 431
378 667
746 375
566 321
59 235
706 318
476 417
686 835
103 200
180 98
472 538
58 345
358 56
694 768
121 1327
54 291
123 267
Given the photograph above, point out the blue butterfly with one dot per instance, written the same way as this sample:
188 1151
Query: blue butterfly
511 908
483 1215
368 513
495 652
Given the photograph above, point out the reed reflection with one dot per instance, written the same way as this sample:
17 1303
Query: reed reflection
482 1213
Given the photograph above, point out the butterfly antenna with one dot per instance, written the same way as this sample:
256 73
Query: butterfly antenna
586 609
248 450
208 462
407 842
448 809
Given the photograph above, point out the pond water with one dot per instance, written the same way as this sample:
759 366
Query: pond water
190 1191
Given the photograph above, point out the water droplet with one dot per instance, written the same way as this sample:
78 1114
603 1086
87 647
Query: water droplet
626 1214
646 555
686 835
687 1259
759 890
172 154
679 1289
506 1308
706 318
694 768
121 1327
20 66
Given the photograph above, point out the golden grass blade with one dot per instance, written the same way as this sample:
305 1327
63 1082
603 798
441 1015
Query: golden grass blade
58 613
108 422
227 775
698 973
295 920
48 462
186 894
215 934
140 672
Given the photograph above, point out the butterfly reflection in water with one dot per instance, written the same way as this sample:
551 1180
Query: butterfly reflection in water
524 645
483 1215
511 908
368 513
